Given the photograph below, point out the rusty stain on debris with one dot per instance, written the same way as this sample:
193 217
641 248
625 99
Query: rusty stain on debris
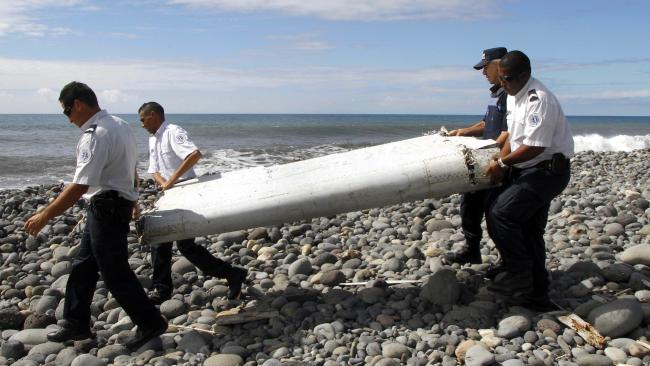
584 329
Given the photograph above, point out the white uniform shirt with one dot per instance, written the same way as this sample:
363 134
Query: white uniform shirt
168 147
535 118
106 156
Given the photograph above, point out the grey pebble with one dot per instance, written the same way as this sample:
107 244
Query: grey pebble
478 356
87 360
594 360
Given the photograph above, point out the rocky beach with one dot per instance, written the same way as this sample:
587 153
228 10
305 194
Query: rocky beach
368 287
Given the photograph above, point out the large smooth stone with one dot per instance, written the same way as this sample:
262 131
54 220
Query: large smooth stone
441 288
513 326
594 360
478 356
87 360
301 266
182 266
394 350
638 254
224 360
31 337
617 318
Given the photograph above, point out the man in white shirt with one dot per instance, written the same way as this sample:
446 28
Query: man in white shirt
172 156
105 175
492 126
535 166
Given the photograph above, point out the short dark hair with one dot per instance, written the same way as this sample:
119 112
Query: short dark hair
153 106
76 90
516 62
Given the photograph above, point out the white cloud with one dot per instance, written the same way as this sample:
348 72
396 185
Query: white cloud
47 94
302 42
146 75
312 46
16 16
112 96
201 87
124 35
610 95
364 10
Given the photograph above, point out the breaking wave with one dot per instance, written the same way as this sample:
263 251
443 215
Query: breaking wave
598 142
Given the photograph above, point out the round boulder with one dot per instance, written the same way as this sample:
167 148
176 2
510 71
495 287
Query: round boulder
616 318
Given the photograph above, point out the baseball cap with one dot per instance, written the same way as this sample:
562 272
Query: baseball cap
489 55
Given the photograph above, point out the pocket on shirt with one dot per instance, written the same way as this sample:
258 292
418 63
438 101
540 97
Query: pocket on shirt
168 153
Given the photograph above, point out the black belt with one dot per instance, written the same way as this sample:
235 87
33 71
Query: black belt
556 164
111 194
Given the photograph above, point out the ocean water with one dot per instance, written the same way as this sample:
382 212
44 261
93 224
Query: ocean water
39 149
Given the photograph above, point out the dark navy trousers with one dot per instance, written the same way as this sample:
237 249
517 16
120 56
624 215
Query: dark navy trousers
104 250
472 209
161 259
516 219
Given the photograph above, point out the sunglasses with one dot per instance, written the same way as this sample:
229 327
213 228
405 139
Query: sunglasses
507 78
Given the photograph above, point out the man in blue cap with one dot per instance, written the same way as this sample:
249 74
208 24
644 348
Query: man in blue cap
493 126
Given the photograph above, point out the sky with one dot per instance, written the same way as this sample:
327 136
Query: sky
320 56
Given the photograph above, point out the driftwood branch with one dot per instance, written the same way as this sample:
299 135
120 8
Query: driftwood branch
239 315
184 327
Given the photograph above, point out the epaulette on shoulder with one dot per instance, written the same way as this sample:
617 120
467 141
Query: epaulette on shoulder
532 95
91 129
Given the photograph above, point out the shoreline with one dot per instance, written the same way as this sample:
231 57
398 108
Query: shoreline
598 241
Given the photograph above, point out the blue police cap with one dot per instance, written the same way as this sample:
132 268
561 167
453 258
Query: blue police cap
489 55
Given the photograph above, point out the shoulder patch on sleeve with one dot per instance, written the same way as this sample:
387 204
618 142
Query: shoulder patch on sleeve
534 119
85 151
180 137
91 129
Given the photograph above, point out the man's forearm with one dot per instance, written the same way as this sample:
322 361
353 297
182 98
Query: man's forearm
473 130
505 150
159 179
70 195
522 154
501 140
188 163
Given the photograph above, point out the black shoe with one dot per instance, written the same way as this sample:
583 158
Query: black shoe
493 271
539 303
236 278
512 284
158 297
467 257
68 334
142 336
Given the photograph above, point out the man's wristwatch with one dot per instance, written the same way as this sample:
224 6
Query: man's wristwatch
502 165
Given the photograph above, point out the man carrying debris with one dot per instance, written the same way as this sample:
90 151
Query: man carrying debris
172 156
534 165
493 126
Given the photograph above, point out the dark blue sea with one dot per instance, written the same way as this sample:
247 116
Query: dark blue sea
39 149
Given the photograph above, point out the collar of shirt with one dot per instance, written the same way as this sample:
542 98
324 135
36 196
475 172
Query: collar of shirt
161 129
524 90
496 91
92 120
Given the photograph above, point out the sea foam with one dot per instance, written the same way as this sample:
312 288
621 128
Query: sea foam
598 142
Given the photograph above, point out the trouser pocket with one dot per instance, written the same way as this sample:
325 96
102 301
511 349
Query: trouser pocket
103 208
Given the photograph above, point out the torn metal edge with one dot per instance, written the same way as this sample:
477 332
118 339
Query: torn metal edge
470 163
